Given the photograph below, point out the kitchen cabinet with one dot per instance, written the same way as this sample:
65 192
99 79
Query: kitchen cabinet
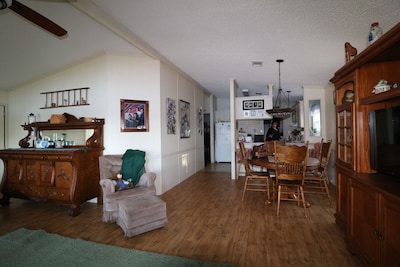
67 176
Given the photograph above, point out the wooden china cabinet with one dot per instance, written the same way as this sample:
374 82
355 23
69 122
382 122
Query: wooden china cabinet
67 176
368 204
345 151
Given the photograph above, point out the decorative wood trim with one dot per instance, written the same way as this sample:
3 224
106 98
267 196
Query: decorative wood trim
66 98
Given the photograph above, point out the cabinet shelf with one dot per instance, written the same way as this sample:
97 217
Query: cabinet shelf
66 98
345 145
393 94
72 123
345 132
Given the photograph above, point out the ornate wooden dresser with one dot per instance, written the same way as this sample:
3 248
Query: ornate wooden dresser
67 176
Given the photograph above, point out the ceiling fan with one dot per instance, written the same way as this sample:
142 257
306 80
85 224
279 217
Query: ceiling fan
33 16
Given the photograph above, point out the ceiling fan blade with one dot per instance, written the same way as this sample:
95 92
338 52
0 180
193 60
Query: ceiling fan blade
36 18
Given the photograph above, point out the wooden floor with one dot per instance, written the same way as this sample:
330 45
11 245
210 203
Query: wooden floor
207 221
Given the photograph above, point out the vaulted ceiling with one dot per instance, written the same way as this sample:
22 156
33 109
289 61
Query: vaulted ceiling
210 40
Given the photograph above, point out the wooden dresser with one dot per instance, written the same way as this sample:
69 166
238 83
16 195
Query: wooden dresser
67 176
368 204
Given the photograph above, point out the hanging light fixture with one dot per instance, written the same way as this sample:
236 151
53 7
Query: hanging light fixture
278 111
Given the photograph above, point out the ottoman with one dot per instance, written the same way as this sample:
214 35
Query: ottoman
139 215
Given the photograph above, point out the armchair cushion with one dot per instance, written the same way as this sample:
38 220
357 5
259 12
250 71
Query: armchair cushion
146 180
146 185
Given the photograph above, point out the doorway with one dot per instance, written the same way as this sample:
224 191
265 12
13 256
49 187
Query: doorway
207 139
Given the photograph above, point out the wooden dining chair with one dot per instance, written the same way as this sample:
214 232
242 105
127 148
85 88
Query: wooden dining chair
239 162
269 145
255 181
319 149
290 170
316 181
315 152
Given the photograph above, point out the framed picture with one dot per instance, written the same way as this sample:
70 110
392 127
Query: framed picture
134 115
184 118
200 120
171 119
253 104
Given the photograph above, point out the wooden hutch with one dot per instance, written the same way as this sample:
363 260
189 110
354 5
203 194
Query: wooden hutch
368 204
67 176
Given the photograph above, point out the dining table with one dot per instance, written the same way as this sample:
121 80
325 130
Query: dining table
269 162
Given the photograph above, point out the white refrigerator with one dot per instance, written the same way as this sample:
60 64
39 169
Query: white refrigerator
223 142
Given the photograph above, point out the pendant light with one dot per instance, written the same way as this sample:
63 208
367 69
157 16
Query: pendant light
278 111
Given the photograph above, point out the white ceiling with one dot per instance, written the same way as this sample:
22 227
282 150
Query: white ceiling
211 40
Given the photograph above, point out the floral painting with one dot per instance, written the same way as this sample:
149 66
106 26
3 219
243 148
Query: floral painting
200 121
184 119
171 116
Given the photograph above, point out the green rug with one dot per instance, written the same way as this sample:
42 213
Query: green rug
37 248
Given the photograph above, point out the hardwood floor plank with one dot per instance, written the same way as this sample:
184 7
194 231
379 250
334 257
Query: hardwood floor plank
207 221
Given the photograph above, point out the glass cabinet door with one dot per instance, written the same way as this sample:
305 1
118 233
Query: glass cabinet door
345 132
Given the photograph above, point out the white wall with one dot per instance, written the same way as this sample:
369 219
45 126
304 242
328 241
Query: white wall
134 78
314 93
3 125
251 126
112 78
198 134
222 110
181 157
28 98
328 121
169 142
330 114
331 129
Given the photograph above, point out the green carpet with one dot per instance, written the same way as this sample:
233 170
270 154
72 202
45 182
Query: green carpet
37 248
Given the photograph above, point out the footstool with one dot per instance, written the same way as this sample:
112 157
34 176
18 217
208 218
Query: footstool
140 215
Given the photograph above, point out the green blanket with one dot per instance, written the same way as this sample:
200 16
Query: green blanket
133 165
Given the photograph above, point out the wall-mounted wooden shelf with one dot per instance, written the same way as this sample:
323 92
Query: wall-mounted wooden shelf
66 98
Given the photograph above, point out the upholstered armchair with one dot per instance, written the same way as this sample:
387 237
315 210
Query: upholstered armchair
109 166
